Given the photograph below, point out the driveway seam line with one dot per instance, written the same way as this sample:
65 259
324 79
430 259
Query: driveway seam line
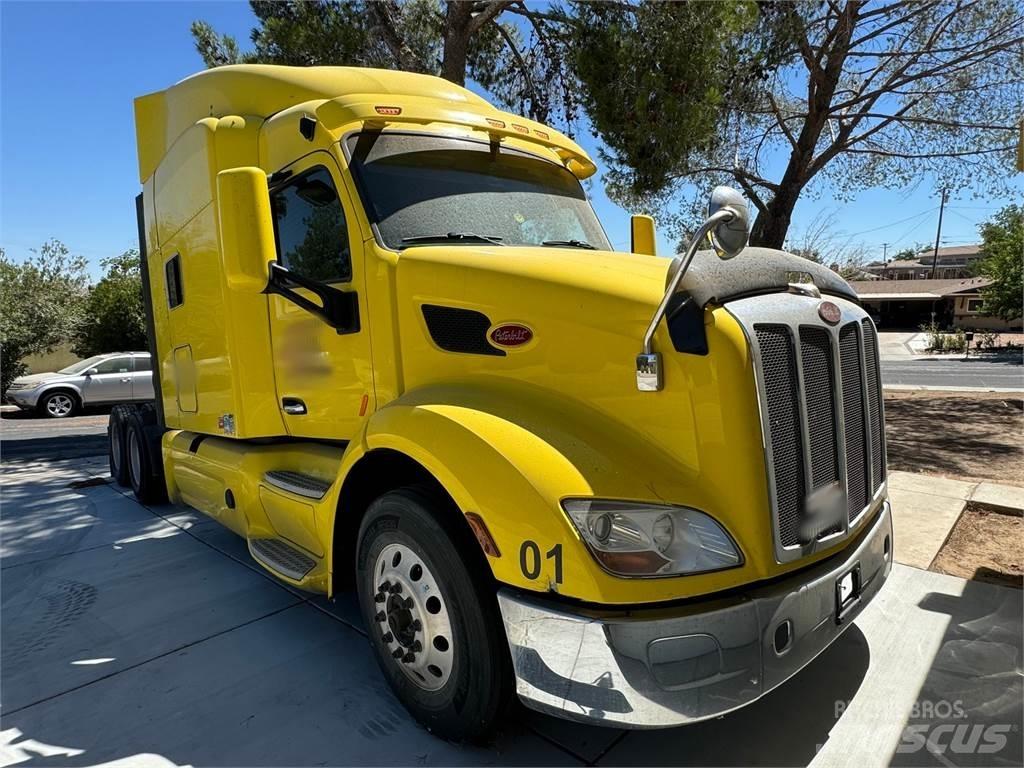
152 658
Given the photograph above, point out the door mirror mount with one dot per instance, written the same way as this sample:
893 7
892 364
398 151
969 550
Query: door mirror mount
246 228
92 372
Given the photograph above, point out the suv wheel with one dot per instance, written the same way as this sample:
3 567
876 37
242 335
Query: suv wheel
58 405
432 617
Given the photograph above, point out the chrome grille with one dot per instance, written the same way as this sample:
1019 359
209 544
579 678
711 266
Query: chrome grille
821 411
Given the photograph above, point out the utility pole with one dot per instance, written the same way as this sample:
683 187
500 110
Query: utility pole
938 233
885 261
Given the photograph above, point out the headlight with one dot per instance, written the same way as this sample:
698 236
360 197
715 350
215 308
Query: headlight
637 539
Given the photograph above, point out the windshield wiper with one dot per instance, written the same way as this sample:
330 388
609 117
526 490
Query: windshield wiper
570 244
453 237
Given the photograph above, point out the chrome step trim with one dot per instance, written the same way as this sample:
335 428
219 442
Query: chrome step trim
282 558
297 483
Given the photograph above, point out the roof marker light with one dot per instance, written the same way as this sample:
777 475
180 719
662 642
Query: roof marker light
520 128
388 110
542 134
495 123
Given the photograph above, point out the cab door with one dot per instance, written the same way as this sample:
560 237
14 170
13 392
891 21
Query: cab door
324 376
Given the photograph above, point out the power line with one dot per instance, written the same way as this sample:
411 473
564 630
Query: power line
894 223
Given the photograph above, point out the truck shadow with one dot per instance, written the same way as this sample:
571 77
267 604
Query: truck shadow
201 662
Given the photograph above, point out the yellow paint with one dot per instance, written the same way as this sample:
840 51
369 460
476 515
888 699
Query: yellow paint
508 437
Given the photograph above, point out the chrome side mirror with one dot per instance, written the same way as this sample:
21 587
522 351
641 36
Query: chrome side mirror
730 236
92 372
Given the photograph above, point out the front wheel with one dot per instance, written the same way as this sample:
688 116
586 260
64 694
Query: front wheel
58 405
432 618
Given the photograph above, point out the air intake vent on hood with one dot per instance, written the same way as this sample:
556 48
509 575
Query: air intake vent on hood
459 330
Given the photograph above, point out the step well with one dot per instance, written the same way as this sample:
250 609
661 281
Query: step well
295 482
281 557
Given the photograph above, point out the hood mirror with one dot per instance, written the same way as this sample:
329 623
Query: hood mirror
729 236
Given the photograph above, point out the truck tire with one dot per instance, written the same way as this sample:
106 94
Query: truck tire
58 404
432 617
145 471
116 454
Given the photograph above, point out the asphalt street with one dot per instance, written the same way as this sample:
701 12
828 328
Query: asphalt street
1005 373
24 434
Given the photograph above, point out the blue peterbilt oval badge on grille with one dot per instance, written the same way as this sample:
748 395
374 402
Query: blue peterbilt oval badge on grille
829 312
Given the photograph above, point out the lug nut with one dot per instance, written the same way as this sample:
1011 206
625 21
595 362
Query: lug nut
409 604
415 625
380 616
396 588
409 658
416 647
379 598
397 653
387 637
384 587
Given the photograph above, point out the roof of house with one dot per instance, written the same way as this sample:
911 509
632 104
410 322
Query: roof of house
957 254
917 289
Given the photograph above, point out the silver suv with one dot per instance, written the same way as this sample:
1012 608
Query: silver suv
117 377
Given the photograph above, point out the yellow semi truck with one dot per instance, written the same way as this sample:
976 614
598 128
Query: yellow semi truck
395 351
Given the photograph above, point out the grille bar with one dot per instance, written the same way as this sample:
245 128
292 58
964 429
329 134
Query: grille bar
853 418
875 412
780 380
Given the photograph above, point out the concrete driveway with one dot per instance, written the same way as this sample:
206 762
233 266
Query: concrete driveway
147 637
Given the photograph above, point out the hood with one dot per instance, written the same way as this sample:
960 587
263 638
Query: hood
38 378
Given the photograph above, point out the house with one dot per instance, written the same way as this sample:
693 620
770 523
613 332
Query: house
952 262
913 302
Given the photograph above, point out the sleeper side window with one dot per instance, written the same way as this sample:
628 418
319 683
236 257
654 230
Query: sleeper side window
172 278
310 229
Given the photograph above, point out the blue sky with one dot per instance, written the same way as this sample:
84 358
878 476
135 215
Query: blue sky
69 72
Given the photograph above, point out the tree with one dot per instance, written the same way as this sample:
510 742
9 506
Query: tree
822 242
845 94
908 254
525 71
114 318
40 304
1003 247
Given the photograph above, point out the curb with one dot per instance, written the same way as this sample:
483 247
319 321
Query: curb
929 388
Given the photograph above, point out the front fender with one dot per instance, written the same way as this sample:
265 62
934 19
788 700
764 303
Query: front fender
511 454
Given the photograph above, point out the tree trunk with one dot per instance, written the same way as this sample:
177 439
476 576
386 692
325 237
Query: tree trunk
770 226
456 41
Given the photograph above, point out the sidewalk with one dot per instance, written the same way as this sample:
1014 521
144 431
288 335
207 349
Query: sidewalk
926 507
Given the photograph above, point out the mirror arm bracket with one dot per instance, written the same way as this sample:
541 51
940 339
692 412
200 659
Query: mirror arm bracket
650 375
340 309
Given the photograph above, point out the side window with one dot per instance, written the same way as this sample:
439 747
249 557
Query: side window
115 365
142 364
309 225
172 275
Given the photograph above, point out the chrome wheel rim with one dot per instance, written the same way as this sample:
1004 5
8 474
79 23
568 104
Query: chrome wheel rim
134 459
59 405
411 617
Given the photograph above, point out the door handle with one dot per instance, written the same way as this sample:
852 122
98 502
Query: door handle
125 381
293 406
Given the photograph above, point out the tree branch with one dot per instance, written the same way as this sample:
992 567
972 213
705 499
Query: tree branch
489 12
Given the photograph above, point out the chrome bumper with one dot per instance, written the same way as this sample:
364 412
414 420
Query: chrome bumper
660 667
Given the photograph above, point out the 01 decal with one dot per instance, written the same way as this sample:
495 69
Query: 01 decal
530 561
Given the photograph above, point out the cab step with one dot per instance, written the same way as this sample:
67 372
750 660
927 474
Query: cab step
281 557
297 483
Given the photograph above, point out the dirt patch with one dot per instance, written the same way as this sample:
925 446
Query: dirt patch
963 435
984 546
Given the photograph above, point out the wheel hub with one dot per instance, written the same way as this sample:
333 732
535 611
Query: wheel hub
412 617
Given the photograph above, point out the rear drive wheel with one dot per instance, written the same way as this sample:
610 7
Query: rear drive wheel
116 452
432 618
147 484
58 405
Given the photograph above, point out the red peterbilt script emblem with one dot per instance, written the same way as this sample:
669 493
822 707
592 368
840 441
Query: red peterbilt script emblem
829 312
511 335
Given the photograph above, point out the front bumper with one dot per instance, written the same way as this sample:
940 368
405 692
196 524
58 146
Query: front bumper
23 398
660 667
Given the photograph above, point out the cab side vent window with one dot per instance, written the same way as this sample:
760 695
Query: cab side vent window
172 275
459 330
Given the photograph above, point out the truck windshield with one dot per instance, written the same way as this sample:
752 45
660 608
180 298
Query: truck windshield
425 190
